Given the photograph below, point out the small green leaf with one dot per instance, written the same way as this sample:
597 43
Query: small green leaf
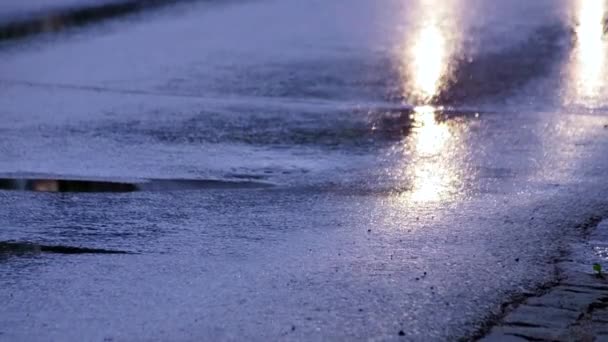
597 268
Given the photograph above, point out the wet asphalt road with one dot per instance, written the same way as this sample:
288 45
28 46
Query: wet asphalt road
418 163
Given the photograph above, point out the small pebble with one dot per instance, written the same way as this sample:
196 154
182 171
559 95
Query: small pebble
401 333
293 328
516 259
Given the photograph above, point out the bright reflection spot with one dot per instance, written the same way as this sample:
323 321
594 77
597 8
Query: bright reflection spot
426 51
433 175
432 135
429 61
429 189
601 251
431 167
590 53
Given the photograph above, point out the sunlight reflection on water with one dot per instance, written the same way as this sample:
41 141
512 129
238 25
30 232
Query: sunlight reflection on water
587 70
432 171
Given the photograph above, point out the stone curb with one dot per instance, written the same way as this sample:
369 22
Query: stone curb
568 312
574 309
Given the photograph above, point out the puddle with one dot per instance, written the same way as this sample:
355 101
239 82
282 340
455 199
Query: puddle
11 247
98 186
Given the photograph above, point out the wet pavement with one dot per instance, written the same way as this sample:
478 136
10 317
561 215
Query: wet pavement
311 170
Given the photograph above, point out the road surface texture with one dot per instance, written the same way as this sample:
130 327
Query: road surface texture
300 170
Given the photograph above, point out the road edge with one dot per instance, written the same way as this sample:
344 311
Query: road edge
573 307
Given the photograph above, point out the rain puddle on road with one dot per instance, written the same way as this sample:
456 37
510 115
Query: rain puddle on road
81 185
23 248
417 184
